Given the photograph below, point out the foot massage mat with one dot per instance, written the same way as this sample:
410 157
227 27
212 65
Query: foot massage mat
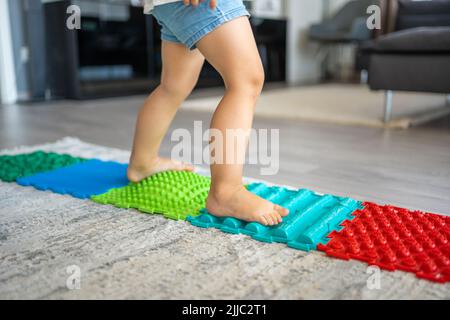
13 167
81 180
395 239
311 217
176 195
389 237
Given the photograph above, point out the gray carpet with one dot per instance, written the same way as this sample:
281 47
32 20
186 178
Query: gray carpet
126 254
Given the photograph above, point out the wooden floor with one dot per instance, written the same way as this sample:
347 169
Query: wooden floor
409 168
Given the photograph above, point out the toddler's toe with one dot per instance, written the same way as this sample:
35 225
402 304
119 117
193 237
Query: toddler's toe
271 219
281 211
263 220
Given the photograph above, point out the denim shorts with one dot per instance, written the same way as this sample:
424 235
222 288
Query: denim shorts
188 24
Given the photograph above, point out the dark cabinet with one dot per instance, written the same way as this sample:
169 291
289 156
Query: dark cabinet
117 51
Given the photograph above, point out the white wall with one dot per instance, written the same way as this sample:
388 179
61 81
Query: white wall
336 4
8 91
302 63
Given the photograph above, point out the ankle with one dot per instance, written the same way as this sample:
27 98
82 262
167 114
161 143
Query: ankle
142 164
224 191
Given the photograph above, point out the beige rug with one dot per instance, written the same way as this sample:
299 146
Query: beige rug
341 104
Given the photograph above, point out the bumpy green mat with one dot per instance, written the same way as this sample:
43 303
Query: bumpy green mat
13 167
176 195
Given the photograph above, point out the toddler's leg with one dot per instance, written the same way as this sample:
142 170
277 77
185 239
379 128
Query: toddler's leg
181 69
231 49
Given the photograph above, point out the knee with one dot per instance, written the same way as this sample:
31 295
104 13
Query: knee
256 80
179 90
251 82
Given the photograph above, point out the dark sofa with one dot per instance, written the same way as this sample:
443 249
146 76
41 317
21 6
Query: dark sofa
415 56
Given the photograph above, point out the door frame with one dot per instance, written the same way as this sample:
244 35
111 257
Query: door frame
8 89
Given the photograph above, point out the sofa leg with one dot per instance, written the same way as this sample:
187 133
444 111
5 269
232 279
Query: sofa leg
388 96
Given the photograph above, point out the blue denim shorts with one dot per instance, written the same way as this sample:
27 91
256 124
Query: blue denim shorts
188 24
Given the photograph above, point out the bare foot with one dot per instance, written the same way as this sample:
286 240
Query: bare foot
138 173
240 203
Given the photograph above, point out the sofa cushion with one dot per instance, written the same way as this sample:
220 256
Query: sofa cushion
415 40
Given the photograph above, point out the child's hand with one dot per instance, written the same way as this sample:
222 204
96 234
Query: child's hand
195 3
